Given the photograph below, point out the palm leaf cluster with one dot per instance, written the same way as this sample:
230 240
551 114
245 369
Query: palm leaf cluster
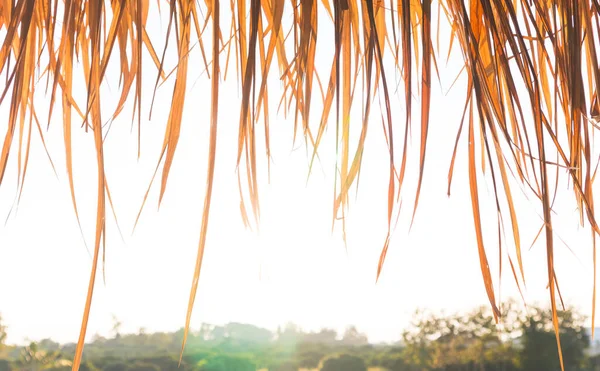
530 109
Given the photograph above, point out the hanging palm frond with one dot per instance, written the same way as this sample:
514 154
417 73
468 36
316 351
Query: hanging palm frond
531 66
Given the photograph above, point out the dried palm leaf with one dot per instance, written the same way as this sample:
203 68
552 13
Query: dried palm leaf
526 63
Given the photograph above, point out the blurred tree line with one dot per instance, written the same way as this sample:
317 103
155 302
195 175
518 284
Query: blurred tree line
471 341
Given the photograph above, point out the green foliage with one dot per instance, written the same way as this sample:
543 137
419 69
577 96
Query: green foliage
197 356
143 366
164 363
344 362
460 341
5 365
285 366
2 334
35 358
117 366
539 351
87 366
226 363
392 360
593 363
310 359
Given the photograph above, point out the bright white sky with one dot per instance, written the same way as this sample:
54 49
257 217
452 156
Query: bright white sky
295 269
